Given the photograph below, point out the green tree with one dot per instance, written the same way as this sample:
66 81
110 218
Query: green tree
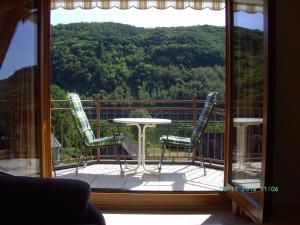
62 124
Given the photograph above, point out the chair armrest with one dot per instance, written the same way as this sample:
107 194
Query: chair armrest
179 129
94 215
112 127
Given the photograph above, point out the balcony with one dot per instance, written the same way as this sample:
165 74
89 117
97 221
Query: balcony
179 172
174 177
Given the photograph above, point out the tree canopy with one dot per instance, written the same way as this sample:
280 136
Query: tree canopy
128 62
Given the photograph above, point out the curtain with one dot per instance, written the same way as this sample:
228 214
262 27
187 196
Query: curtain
19 73
22 116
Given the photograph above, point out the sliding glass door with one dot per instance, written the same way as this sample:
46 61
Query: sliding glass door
19 88
248 90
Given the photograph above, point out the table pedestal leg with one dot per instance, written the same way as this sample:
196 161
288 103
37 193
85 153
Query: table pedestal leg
140 136
139 159
241 145
144 150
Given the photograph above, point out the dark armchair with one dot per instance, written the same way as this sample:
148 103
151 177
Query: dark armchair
28 200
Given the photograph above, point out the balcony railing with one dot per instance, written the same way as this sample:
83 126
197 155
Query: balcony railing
181 112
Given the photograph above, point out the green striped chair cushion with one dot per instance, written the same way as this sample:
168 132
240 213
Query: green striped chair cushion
84 127
106 141
203 118
175 140
80 118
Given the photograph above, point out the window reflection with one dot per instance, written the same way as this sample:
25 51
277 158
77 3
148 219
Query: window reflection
248 83
19 151
22 49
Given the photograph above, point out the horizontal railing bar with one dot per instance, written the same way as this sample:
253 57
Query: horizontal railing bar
149 101
109 160
140 107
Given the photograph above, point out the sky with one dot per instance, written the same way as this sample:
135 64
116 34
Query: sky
249 20
141 18
153 17
21 52
24 49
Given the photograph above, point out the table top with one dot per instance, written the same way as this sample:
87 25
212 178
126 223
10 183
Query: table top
247 121
141 121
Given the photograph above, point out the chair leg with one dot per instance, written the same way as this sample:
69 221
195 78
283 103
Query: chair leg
118 157
194 155
76 172
80 158
85 157
201 159
162 156
126 165
53 168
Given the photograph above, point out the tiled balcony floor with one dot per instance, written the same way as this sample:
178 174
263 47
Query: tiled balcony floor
172 178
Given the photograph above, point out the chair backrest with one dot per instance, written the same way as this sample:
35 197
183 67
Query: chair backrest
203 118
80 119
54 142
56 146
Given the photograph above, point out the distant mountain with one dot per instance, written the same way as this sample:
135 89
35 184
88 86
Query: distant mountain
128 62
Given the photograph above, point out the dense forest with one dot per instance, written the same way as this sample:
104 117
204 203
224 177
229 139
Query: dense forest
127 62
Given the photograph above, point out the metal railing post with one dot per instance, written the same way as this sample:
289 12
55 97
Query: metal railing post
98 122
194 109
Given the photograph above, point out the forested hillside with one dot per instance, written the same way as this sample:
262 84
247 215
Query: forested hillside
127 62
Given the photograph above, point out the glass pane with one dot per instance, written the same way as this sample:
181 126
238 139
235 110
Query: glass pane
19 148
248 83
142 68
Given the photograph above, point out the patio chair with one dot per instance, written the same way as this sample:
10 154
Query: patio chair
87 136
56 147
193 142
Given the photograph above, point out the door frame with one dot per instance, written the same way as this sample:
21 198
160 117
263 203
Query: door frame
152 201
242 204
44 58
168 201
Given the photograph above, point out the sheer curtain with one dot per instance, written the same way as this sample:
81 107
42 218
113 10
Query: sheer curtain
19 142
22 114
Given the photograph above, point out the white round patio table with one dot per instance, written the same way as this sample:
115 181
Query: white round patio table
241 125
142 124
